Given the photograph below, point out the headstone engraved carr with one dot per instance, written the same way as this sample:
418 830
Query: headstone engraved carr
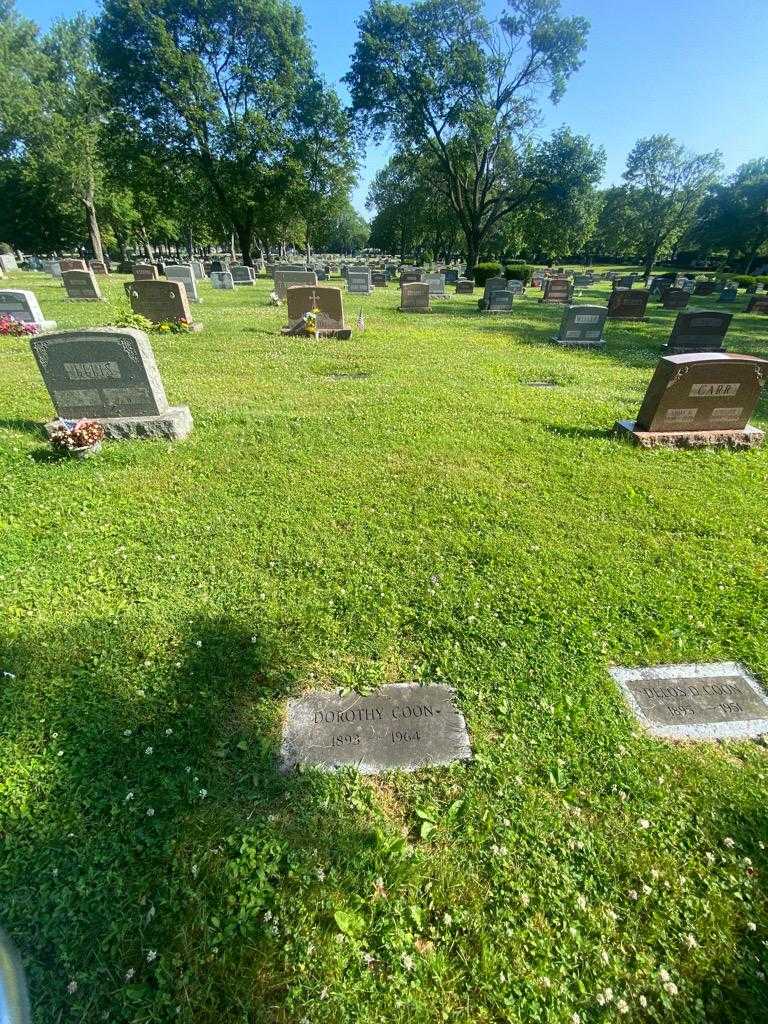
108 374
81 285
465 286
160 301
628 304
24 307
400 727
582 326
359 281
699 399
328 304
414 297
243 276
222 280
145 272
675 298
695 701
698 331
184 274
284 279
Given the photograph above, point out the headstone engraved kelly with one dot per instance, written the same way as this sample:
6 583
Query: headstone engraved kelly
81 285
24 307
695 702
184 274
414 297
627 304
108 374
582 326
222 280
700 399
698 331
401 727
160 301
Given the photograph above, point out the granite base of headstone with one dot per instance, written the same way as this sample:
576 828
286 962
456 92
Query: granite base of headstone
699 400
108 374
400 727
715 701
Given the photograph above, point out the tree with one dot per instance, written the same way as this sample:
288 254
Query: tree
442 79
230 87
665 186
734 216
19 100
614 232
343 231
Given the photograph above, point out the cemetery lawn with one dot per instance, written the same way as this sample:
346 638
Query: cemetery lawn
400 506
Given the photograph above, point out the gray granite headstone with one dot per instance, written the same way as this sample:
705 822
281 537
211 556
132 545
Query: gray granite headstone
222 279
698 702
359 281
436 284
184 274
243 275
582 326
81 285
24 307
402 727
109 374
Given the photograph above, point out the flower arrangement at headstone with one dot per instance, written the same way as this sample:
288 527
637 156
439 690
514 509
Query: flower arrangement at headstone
79 438
310 322
173 327
10 327
274 299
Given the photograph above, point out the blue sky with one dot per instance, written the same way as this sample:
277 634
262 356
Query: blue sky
693 68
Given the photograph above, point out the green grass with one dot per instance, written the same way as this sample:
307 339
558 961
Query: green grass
426 517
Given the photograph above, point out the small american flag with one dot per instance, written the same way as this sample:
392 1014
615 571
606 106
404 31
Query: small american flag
360 321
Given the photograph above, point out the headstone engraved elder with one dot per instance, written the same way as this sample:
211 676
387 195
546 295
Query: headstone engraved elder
698 331
436 283
414 297
699 399
108 374
24 307
582 326
695 702
222 280
145 272
557 291
327 305
493 284
243 276
284 279
160 302
400 727
185 275
81 285
359 281
675 298
628 304
465 286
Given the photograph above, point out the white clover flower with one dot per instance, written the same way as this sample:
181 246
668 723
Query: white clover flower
368 958
643 1001
203 794
267 916
612 915
149 750
546 982
150 812
72 987
575 1018
151 955
670 988
127 732
643 823
54 735
751 926
129 796
728 842
664 974
129 974
632 894
198 643
604 956
690 941
60 753
169 732
647 890
622 1006
320 873
194 870
340 937
525 899
581 902
408 962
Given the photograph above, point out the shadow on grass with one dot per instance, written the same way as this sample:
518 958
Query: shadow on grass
24 426
164 825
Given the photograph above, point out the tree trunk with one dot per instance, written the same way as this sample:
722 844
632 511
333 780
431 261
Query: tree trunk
190 243
245 239
750 261
144 239
232 252
93 229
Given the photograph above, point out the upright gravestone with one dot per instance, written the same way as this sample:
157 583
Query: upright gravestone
465 286
411 277
81 285
8 262
108 374
379 278
436 285
516 287
698 399
99 267
625 281
628 304
284 279
728 294
197 269
359 281
698 331
704 287
676 298
184 274
499 301
161 302
24 307
493 284
145 272
451 275
72 265
324 303
243 276
414 297
222 280
582 326
400 727
758 304
557 291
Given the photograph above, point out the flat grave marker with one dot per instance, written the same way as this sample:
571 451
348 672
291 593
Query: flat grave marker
721 700
108 374
400 727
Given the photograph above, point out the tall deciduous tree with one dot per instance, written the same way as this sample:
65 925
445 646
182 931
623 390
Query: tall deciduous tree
230 86
734 216
665 185
440 78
